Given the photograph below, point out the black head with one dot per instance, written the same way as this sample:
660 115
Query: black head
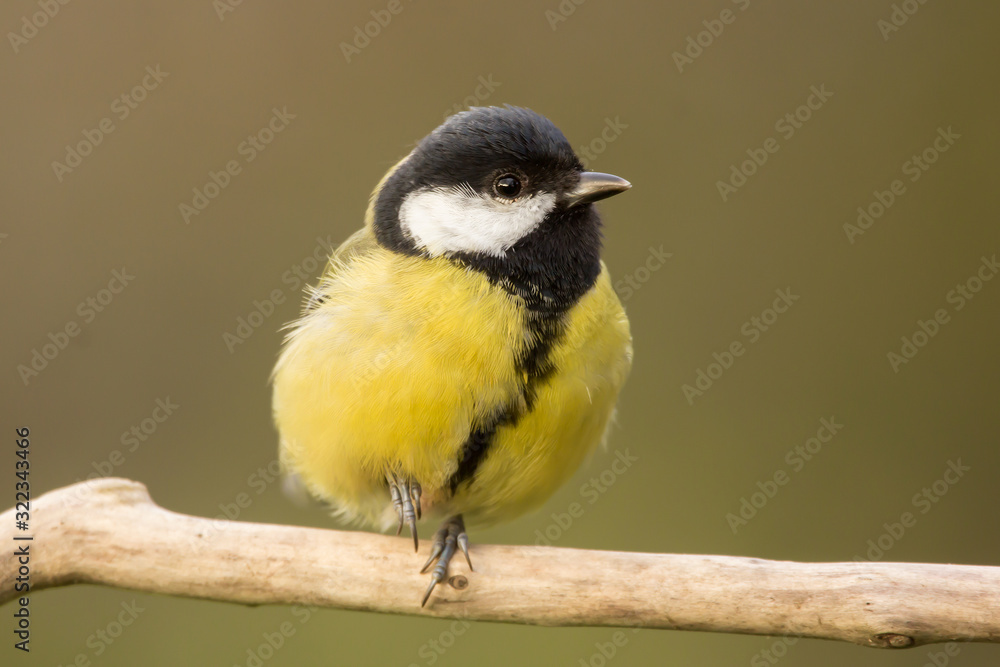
500 190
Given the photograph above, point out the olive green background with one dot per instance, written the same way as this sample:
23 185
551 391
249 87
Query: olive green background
679 132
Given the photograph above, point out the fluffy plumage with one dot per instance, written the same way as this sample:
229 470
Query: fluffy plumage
481 356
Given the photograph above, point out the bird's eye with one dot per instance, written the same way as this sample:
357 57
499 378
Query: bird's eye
507 186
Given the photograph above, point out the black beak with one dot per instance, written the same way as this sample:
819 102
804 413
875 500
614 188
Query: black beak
594 186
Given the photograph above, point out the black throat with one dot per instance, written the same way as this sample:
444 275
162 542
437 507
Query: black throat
550 268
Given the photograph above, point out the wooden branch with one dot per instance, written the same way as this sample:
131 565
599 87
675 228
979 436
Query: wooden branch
110 532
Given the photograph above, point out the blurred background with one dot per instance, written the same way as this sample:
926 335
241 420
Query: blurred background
814 181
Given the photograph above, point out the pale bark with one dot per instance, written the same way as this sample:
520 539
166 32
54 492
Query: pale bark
109 532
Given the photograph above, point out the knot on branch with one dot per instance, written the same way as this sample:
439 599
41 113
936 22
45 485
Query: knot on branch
891 640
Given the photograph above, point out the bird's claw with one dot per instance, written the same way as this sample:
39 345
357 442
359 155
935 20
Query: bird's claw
449 537
405 495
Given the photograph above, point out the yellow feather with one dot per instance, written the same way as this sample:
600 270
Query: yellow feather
398 358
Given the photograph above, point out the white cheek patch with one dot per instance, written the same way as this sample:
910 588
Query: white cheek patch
444 220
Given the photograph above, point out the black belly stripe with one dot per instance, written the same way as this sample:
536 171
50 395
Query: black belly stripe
535 364
549 270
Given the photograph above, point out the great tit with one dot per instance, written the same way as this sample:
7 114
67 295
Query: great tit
463 352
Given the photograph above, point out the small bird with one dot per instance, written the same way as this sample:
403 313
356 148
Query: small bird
463 352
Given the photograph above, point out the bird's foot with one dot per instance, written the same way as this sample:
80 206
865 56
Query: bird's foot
450 536
406 501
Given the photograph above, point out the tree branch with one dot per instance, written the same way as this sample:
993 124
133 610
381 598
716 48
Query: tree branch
110 532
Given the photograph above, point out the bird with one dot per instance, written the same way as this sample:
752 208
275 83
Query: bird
463 352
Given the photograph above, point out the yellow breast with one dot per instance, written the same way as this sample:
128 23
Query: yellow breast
405 357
